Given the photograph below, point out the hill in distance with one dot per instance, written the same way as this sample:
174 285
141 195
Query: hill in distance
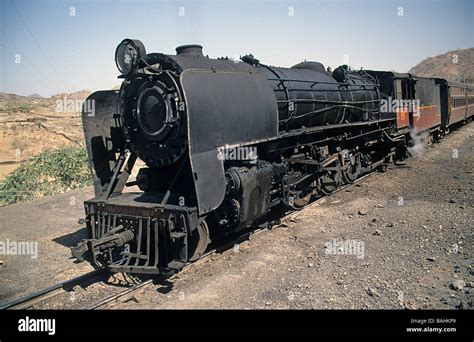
36 96
81 94
456 65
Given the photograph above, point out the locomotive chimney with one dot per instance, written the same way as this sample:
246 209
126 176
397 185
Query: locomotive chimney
194 50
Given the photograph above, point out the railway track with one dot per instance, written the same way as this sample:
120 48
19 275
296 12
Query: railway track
30 300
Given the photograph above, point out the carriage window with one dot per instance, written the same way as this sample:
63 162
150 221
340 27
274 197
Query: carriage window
398 89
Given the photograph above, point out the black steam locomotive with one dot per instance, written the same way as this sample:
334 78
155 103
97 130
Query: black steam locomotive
222 142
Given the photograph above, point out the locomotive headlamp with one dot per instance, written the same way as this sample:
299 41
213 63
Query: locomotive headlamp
128 54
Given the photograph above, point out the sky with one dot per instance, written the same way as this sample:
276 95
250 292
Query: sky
55 46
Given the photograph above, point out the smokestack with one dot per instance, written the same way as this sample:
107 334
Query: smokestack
190 50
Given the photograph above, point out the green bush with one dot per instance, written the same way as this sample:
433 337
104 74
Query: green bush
49 173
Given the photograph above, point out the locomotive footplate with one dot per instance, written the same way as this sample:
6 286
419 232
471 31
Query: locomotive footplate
132 234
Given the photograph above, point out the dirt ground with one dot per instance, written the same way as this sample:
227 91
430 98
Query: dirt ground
51 222
399 239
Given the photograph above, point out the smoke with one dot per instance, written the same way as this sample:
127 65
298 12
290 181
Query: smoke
418 143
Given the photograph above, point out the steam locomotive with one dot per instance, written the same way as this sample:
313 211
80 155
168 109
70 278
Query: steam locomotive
223 142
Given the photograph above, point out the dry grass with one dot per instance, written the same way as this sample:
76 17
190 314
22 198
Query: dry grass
49 173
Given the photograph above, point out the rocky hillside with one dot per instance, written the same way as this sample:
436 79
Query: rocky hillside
32 124
457 65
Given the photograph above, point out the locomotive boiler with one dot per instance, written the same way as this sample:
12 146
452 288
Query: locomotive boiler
309 130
